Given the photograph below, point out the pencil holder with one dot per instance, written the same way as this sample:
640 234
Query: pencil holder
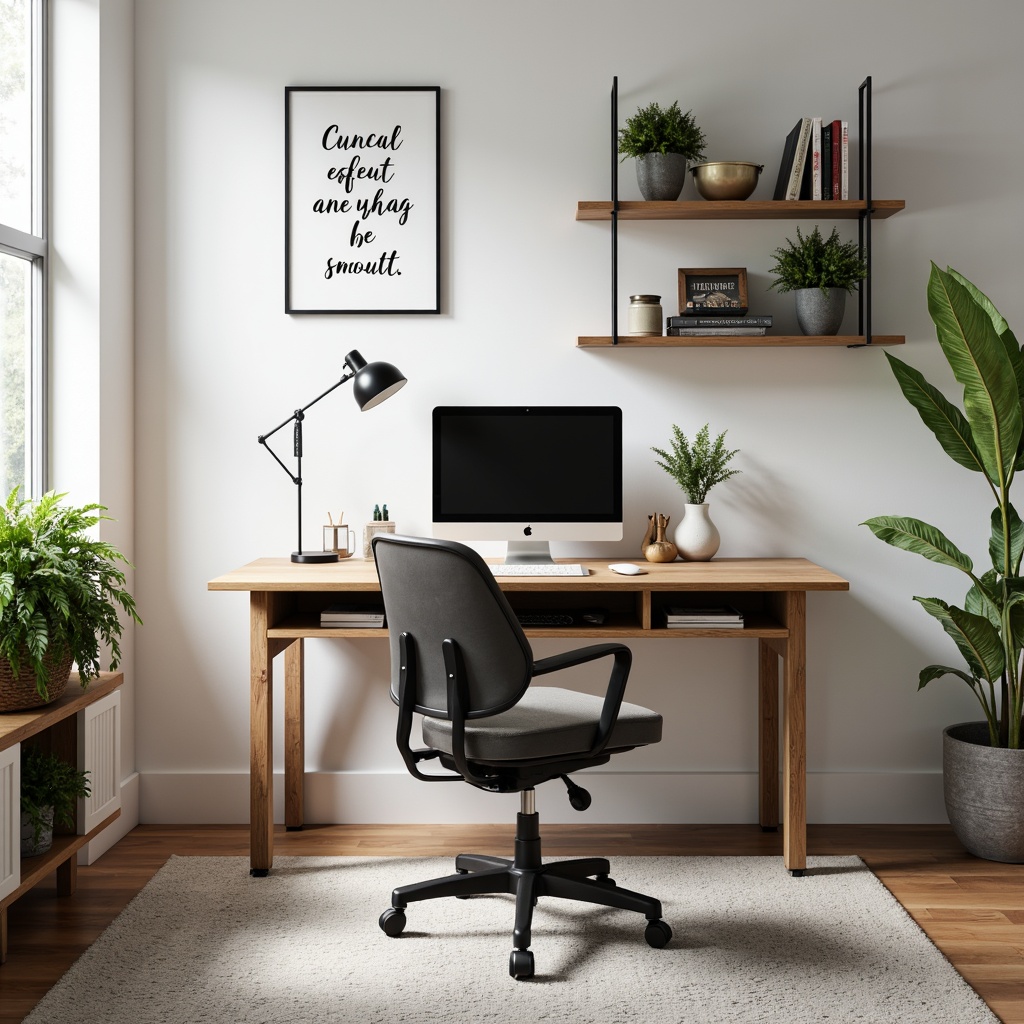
370 531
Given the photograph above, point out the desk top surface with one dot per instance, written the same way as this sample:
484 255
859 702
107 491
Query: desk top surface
355 574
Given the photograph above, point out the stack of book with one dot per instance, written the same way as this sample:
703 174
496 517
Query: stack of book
722 617
815 161
708 326
346 616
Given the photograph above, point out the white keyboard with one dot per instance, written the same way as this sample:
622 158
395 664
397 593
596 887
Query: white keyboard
540 569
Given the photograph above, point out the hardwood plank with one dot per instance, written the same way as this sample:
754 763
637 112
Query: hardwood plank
742 341
918 863
747 209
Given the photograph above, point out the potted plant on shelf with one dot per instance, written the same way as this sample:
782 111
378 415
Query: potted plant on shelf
61 594
50 788
697 467
821 272
983 763
661 141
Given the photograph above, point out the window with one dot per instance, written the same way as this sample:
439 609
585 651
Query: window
22 246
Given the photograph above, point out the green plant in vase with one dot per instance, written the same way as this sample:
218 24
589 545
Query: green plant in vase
697 466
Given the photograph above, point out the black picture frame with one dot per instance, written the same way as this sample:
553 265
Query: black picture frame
718 291
362 199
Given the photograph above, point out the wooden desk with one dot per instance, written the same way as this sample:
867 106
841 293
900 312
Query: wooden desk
285 600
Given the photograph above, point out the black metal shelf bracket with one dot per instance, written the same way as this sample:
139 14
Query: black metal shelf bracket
615 209
864 135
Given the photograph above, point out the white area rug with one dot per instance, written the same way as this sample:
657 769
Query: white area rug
204 942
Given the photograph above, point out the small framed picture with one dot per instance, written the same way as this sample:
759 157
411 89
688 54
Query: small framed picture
720 291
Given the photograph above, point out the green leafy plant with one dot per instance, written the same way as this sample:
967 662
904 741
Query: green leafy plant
987 437
697 467
49 784
816 262
59 588
654 130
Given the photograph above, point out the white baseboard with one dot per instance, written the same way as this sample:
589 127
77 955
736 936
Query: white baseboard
129 818
619 798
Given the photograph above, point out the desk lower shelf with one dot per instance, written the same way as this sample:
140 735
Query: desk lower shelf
616 627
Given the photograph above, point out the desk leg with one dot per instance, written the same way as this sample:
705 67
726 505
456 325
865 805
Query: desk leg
261 738
294 736
768 736
794 735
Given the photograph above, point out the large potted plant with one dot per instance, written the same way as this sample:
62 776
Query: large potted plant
661 141
983 764
50 788
697 466
820 272
61 594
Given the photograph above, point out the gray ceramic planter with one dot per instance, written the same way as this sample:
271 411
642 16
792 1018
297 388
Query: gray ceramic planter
820 312
984 790
661 176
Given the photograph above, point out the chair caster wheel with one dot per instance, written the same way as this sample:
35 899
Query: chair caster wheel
605 880
658 934
392 922
520 964
462 871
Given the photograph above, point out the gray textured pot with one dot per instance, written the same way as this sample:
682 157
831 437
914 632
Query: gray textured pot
820 312
29 847
661 176
984 791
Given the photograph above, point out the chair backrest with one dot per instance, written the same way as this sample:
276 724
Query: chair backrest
436 590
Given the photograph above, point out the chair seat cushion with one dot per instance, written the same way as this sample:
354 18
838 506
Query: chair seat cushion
547 722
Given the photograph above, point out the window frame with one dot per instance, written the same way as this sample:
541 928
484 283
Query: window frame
34 248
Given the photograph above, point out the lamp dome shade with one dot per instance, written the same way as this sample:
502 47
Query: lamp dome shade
374 382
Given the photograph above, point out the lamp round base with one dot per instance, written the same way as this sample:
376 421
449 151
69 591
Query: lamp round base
314 556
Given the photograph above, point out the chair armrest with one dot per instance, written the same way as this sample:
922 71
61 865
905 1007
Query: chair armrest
616 683
578 657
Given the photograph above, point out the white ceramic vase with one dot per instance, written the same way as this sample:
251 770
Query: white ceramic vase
696 537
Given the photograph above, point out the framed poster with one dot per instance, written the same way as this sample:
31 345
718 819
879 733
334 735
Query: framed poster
721 291
362 199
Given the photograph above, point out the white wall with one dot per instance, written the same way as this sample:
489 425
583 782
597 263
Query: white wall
91 355
826 440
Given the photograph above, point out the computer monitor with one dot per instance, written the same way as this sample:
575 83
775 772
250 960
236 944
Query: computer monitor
527 475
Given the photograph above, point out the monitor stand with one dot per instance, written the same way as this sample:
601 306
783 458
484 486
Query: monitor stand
528 552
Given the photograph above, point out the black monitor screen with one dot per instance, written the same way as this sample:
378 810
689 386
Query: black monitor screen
537 463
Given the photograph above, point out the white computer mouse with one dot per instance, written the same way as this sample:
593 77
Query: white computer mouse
626 568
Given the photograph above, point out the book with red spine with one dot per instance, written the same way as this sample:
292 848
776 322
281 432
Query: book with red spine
837 160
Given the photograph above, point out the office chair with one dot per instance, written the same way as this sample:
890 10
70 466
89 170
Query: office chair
460 659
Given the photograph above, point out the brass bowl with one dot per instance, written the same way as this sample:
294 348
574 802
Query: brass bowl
726 179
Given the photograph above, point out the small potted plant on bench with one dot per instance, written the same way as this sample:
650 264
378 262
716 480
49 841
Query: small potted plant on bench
50 789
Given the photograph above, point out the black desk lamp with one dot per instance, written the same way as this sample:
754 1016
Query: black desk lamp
374 383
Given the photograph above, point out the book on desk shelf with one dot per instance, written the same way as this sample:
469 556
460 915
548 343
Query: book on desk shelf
720 617
348 616
711 332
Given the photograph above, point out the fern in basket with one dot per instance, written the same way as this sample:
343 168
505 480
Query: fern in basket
697 467
60 590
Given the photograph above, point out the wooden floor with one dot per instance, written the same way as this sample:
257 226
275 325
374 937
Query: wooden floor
973 910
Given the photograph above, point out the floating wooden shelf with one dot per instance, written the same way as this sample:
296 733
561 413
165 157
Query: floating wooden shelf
800 209
743 341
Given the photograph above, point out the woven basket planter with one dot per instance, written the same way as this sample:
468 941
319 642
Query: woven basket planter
18 692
